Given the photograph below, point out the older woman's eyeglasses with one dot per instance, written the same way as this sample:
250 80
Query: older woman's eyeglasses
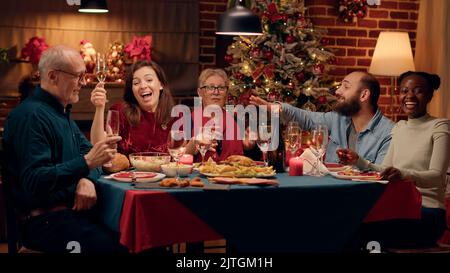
211 88
81 77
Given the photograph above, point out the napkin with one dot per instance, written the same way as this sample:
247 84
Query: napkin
309 159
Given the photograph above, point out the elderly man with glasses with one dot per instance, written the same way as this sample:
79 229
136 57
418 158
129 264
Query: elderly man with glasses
52 168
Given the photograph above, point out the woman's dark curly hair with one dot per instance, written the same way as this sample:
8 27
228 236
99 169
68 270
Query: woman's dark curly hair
433 81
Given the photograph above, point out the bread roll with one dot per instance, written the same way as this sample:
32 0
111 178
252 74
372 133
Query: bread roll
119 163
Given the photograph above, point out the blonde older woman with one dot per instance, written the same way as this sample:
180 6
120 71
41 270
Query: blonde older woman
213 90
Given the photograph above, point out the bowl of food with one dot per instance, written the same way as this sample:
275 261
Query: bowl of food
171 169
149 161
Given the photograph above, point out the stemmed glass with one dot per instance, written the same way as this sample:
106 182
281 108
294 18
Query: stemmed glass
112 127
293 138
100 68
176 145
264 140
203 141
319 147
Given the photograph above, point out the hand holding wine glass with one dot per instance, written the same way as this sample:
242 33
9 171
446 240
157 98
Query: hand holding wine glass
98 96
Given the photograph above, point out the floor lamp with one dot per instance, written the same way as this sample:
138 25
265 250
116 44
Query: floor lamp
392 57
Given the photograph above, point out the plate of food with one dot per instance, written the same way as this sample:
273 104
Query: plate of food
336 167
239 175
356 174
141 177
236 166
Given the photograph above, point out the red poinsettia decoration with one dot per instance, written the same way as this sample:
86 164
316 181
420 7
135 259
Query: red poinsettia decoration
349 10
33 49
272 13
140 48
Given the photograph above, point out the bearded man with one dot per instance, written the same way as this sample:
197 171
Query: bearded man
356 122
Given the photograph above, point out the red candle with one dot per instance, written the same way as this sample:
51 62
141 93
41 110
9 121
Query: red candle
296 166
288 157
186 159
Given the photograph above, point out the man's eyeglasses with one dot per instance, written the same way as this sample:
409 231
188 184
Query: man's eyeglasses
81 77
211 88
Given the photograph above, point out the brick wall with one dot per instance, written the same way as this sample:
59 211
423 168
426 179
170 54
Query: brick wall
354 42
209 14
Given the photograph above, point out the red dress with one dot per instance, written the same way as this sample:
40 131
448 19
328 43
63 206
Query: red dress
226 147
146 137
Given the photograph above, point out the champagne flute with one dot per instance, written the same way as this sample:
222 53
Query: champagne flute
264 140
319 146
176 145
324 129
293 139
100 68
112 127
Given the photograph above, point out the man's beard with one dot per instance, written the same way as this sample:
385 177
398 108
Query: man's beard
348 108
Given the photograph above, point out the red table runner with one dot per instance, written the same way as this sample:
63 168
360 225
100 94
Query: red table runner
400 200
155 218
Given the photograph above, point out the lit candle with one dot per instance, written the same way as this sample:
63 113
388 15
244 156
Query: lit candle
187 159
296 166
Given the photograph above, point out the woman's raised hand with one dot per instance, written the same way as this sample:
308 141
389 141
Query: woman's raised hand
98 95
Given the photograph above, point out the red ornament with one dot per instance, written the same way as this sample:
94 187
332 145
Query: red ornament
90 66
325 41
285 17
238 75
300 76
256 52
318 69
245 98
228 58
232 100
269 55
258 82
290 39
322 100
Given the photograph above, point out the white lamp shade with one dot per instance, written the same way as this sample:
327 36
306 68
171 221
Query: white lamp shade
392 55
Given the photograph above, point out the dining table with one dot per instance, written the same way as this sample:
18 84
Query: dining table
300 214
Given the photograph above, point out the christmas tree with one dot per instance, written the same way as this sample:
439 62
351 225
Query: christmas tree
287 63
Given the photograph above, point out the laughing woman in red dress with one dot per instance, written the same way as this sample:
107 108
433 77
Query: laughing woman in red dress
145 119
